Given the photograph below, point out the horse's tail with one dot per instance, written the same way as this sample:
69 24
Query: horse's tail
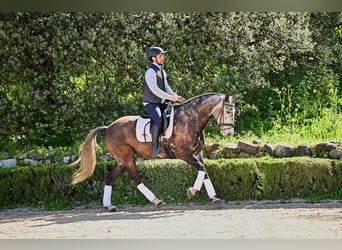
87 156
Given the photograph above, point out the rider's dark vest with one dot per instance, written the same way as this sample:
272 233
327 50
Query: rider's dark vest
148 94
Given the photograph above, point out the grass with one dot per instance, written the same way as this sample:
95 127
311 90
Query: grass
326 128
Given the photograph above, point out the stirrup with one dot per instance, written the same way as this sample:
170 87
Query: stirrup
158 154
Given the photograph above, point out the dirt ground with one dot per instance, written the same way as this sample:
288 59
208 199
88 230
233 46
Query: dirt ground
247 220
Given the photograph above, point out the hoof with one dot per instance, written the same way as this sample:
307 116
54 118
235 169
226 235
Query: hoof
191 192
111 208
216 201
158 203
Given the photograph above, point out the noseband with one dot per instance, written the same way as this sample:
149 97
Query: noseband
224 125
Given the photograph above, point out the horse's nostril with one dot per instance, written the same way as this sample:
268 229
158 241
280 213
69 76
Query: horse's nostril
229 133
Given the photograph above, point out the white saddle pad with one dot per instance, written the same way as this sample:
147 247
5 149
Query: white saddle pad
143 131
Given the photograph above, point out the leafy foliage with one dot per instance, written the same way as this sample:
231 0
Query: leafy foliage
65 73
48 186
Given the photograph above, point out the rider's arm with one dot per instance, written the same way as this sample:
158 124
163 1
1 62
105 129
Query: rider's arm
151 80
167 86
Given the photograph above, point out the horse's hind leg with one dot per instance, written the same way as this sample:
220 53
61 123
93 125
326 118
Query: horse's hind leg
110 180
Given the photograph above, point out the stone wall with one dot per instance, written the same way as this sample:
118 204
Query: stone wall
257 149
330 150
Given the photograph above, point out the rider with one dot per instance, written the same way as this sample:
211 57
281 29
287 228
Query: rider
156 92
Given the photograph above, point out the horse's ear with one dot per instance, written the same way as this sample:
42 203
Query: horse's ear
237 96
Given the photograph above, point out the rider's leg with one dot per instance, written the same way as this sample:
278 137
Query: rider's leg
155 137
156 116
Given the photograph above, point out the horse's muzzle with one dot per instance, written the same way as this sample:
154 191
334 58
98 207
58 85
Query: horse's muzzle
227 132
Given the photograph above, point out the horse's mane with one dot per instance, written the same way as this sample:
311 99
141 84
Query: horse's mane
195 99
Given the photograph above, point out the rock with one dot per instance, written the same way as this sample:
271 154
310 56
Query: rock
268 148
31 162
66 159
304 151
50 156
335 154
106 157
336 142
36 157
230 150
8 163
21 157
326 146
243 154
215 155
210 148
248 147
256 141
284 151
7 156
74 158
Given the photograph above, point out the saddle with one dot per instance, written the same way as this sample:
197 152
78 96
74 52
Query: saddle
143 126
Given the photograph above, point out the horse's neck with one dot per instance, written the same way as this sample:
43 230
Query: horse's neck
199 111
209 108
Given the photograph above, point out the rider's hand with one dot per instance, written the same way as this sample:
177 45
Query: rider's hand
180 99
177 98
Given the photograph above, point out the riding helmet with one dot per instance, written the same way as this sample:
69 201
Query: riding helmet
154 51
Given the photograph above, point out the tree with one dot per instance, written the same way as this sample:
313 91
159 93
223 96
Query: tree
65 73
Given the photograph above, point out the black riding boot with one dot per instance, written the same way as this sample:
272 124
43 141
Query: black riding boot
155 150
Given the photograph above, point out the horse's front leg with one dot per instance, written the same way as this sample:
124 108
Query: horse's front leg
202 177
133 173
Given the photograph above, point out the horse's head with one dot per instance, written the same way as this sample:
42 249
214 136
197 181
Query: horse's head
225 118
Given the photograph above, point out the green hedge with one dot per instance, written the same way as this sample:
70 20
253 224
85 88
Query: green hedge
48 186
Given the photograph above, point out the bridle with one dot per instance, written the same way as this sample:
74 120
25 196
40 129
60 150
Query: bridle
225 125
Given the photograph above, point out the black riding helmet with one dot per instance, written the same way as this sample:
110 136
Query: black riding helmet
153 52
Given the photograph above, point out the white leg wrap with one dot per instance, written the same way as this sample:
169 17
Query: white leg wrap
146 192
209 188
107 196
199 180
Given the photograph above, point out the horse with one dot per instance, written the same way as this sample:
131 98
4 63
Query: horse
187 142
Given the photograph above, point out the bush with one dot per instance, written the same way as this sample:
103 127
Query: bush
49 186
